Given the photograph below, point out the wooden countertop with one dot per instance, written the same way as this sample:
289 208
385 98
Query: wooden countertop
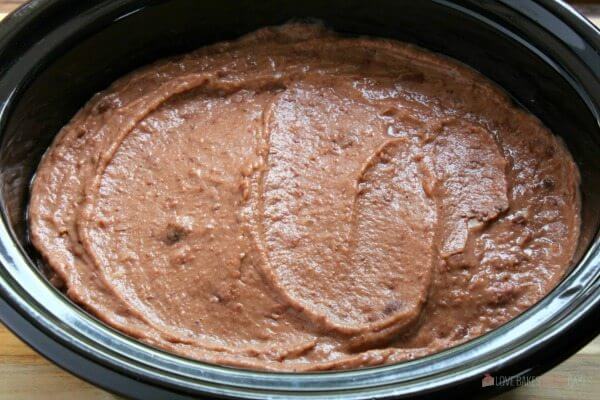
25 375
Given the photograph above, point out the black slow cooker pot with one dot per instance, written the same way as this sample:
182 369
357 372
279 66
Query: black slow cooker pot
55 54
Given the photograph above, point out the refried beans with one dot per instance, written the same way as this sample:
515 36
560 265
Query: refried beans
299 200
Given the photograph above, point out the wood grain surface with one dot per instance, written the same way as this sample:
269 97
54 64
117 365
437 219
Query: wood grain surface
25 375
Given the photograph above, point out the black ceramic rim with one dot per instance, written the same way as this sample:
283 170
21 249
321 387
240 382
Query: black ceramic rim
546 334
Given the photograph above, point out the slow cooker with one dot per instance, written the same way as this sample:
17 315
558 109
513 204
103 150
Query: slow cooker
55 54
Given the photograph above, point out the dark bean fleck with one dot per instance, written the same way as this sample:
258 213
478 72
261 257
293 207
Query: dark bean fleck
105 104
174 234
392 306
548 183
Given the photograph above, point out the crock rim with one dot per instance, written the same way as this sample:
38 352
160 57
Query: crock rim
68 327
